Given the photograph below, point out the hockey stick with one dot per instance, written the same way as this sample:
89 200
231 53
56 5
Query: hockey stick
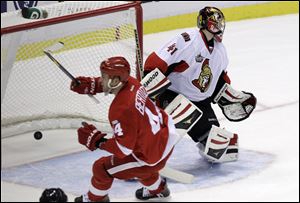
177 175
139 54
185 115
48 51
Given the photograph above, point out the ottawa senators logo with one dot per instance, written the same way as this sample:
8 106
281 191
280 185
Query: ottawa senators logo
205 77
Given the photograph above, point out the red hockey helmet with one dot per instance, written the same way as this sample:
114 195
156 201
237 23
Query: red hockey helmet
116 66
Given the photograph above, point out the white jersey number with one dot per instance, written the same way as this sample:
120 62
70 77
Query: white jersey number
118 129
154 120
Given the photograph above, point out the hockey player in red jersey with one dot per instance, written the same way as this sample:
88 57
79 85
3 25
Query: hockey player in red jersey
143 134
195 63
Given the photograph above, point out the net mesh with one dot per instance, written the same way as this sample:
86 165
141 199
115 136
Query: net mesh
37 94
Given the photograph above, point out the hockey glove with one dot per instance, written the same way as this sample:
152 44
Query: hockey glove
87 85
236 105
155 83
90 137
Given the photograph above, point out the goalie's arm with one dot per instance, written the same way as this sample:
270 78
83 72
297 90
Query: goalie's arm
168 56
154 61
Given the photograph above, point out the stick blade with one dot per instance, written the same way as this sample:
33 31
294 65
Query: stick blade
177 175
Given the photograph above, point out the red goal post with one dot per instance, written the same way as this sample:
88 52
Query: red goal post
35 94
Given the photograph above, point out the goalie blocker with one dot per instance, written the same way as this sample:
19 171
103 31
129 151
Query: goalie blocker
155 83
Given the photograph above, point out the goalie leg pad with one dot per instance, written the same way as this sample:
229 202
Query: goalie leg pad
184 113
221 146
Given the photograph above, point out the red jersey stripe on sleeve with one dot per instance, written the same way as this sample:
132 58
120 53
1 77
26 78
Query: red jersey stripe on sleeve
154 61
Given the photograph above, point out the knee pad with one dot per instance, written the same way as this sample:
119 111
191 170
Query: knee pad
221 146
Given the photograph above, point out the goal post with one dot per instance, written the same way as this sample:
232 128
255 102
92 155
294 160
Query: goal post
35 94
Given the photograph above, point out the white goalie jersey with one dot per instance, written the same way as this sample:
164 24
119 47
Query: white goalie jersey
190 64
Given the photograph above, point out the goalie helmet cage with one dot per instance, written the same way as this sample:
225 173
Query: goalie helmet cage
35 94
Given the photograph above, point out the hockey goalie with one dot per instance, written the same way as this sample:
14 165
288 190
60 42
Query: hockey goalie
191 70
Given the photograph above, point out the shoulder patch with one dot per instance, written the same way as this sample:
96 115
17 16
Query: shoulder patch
186 36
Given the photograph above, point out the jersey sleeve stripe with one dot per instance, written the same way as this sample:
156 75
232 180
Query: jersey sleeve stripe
123 149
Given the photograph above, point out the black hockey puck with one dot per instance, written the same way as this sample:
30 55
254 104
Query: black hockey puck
38 135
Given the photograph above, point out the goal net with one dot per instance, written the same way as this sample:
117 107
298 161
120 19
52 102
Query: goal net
35 93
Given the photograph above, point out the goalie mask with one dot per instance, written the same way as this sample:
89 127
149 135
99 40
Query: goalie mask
213 20
116 66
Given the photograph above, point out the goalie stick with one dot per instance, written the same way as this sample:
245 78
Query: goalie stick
138 55
185 115
48 51
177 175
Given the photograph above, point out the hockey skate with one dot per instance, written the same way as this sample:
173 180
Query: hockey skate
84 198
145 194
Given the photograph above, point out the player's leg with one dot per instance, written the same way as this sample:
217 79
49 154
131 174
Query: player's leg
214 143
108 168
154 186
128 168
151 189
200 130
100 183
221 146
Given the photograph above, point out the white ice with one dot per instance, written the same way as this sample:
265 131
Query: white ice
264 60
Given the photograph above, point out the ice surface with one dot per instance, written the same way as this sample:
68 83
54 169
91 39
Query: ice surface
73 172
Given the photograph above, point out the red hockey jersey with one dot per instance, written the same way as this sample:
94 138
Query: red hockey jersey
140 127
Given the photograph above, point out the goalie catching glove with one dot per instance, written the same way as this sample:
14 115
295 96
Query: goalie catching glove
87 85
235 105
89 136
